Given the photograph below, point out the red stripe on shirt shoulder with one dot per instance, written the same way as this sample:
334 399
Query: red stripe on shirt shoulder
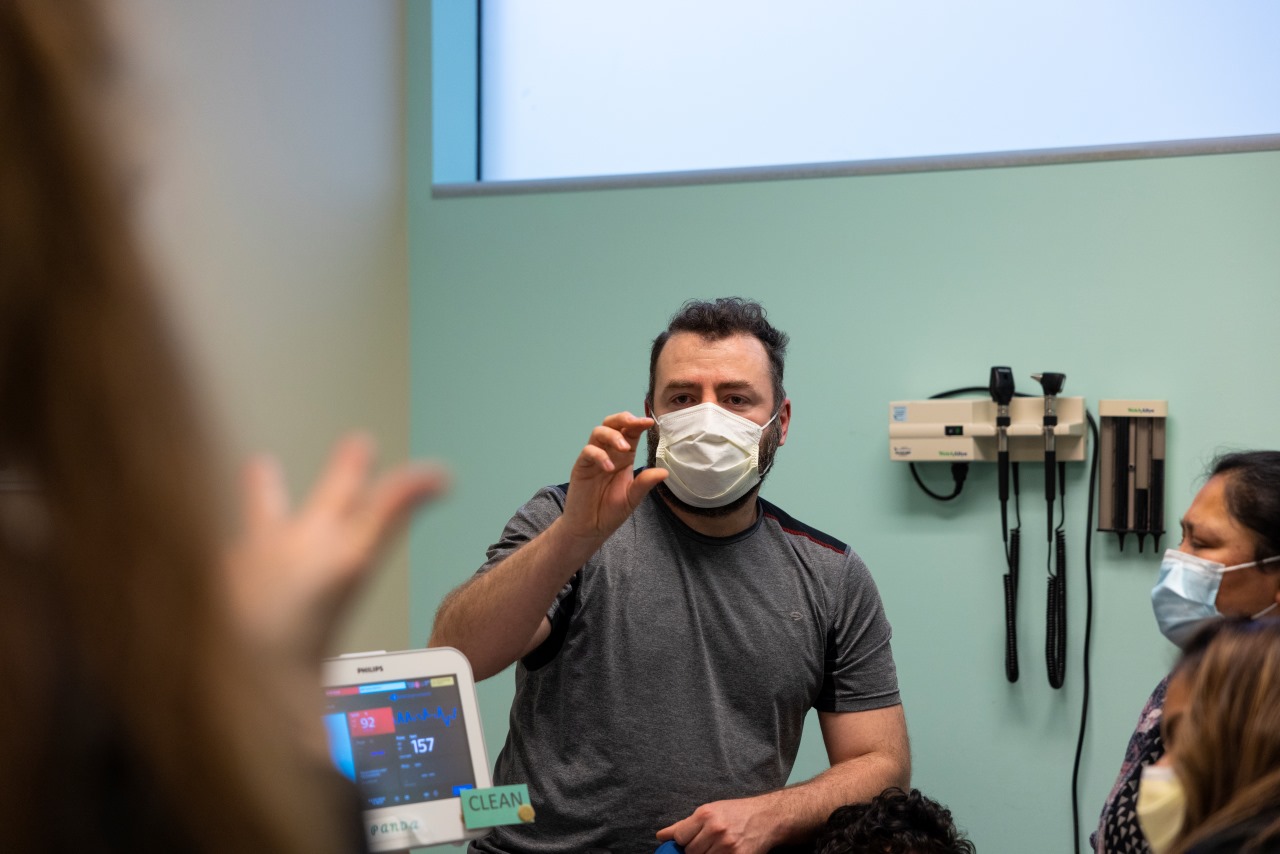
796 528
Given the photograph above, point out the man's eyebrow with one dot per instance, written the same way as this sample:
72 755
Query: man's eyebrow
720 386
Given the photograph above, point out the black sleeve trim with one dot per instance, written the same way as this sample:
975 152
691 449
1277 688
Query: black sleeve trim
550 648
796 528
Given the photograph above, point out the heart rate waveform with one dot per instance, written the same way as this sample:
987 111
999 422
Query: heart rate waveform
426 715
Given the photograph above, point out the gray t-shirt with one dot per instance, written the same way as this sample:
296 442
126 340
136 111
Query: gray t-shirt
679 671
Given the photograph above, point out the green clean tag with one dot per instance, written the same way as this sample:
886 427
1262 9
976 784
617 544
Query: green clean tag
498 805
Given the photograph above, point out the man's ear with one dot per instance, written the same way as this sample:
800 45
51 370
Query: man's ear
784 423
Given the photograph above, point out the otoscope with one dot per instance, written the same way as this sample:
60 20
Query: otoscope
1056 608
1001 388
1052 385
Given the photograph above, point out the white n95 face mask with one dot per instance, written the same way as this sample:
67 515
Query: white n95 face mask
1161 805
713 455
1186 593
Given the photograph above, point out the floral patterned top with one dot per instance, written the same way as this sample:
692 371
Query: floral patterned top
1118 831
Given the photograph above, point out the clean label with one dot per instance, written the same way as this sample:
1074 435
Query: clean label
495 806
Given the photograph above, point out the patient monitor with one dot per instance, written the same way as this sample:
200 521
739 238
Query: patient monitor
404 727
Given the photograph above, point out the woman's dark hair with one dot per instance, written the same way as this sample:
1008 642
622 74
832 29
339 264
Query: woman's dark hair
894 822
1253 494
720 319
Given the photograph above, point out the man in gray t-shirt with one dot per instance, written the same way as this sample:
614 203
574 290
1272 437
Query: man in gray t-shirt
672 629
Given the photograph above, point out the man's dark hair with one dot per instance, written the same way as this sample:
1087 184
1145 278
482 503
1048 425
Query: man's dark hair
894 822
720 319
1253 495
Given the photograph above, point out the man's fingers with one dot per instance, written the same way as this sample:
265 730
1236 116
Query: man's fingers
617 438
621 420
698 838
594 457
629 425
610 440
644 483
682 832
637 429
669 832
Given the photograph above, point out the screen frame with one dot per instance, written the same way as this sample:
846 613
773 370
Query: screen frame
401 827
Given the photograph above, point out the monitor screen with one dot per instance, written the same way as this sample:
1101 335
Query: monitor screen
402 741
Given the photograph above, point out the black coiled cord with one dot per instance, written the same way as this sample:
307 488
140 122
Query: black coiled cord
1012 539
1013 560
1013 555
1055 639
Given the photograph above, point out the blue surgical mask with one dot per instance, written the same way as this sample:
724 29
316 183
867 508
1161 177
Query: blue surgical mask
1186 594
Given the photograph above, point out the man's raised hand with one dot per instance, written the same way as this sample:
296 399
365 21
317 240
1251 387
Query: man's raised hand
603 491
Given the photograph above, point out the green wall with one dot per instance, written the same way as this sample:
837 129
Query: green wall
531 320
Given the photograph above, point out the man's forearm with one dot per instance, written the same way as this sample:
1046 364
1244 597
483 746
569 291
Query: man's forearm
797 811
791 815
494 617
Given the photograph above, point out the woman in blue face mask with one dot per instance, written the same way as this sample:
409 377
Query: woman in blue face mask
1228 564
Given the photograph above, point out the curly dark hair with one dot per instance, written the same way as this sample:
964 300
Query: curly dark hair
720 319
894 822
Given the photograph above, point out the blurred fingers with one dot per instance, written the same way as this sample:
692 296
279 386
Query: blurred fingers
263 494
399 494
344 475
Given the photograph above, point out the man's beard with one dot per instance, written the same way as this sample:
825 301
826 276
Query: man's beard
769 444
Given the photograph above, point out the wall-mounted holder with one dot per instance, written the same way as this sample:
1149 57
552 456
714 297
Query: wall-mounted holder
954 431
1131 449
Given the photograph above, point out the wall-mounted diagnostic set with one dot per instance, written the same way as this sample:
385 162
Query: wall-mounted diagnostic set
966 430
996 424
1005 428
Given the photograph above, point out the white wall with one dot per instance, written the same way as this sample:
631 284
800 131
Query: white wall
272 136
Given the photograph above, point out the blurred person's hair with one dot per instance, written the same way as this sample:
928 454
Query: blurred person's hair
1228 752
132 718
894 822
